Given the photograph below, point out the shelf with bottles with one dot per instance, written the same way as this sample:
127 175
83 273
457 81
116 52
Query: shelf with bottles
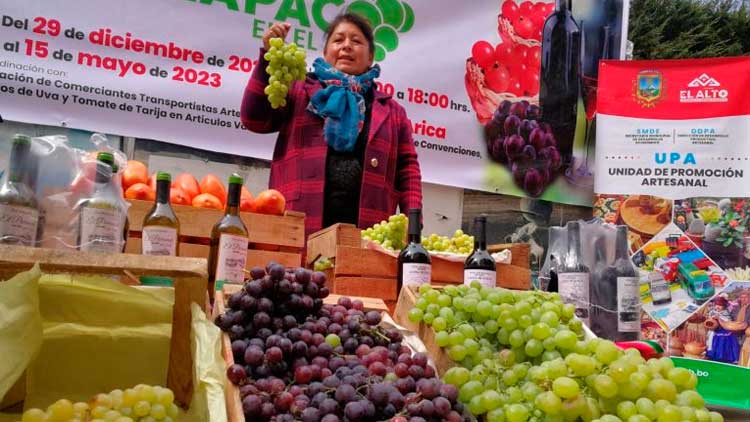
357 270
277 238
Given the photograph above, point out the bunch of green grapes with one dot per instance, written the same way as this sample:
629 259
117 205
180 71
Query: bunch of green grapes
142 403
286 63
522 356
389 234
322 264
461 243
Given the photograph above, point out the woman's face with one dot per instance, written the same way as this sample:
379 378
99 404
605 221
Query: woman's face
347 49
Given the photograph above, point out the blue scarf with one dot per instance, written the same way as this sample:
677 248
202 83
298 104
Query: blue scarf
341 103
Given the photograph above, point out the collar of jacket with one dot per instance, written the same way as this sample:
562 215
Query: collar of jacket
379 109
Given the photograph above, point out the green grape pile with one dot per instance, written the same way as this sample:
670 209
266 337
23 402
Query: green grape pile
389 234
322 264
142 403
461 243
523 357
286 63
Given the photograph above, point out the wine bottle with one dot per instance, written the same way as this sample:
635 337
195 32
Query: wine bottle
161 229
19 211
103 216
480 266
628 290
554 252
414 263
574 276
559 86
229 239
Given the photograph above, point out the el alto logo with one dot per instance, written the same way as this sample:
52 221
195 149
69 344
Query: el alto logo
704 89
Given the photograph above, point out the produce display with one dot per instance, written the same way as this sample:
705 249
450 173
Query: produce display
142 403
286 63
210 192
298 359
521 356
391 235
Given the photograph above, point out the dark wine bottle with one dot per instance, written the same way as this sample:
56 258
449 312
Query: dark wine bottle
574 277
560 72
628 295
480 266
414 263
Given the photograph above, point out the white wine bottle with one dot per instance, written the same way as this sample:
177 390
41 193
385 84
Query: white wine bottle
229 239
103 217
19 211
161 229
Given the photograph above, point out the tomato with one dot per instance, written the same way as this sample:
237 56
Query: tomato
497 78
518 70
524 27
135 172
247 204
509 10
525 8
188 184
178 197
514 87
152 181
534 57
140 191
206 200
520 53
270 201
530 83
483 54
211 184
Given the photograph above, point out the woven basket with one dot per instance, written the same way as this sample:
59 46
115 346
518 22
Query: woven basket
506 31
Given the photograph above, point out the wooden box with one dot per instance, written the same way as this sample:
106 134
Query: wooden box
190 282
272 237
232 392
364 272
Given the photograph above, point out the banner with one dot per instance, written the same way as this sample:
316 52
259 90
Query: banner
175 70
675 168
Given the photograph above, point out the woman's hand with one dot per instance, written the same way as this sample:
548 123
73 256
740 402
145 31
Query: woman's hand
277 30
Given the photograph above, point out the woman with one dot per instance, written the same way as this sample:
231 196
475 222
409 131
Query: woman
344 151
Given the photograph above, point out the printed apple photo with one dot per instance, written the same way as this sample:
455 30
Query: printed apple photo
676 277
645 215
719 226
536 105
719 331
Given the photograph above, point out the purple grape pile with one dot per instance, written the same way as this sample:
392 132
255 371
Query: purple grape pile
519 139
299 359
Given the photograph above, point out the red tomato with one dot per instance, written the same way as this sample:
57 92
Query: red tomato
530 83
526 8
483 54
497 78
524 27
514 87
509 10
534 57
520 53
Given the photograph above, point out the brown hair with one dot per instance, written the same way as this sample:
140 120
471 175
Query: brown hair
356 20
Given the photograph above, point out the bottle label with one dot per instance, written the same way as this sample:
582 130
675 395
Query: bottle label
232 256
628 305
18 225
574 289
101 230
158 240
416 274
487 278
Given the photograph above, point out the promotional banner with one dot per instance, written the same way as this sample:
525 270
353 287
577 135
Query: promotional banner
175 70
674 166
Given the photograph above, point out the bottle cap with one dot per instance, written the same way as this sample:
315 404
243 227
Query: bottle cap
20 138
163 176
236 179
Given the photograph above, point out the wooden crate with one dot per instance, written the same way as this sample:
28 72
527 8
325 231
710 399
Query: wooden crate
364 272
190 282
272 237
231 391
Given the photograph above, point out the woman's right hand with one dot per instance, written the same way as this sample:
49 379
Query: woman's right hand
277 30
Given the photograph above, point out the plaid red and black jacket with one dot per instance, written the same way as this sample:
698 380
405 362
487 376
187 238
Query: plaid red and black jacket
391 173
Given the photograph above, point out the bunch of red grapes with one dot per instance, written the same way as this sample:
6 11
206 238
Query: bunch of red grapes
518 138
298 359
511 67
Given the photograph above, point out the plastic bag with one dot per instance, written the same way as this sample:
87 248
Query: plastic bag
100 335
60 197
589 264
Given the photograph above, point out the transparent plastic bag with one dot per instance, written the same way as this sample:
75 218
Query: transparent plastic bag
588 263
64 192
